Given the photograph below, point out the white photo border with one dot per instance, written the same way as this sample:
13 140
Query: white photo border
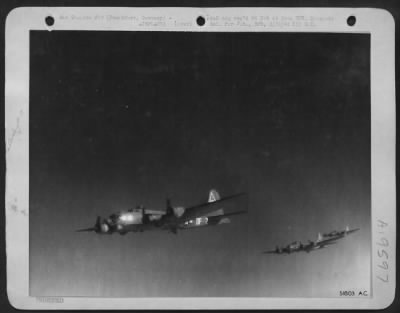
376 22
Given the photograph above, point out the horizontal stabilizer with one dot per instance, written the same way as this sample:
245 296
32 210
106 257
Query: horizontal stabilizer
224 220
216 213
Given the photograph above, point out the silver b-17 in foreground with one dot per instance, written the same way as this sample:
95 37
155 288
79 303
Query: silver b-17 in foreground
322 242
210 213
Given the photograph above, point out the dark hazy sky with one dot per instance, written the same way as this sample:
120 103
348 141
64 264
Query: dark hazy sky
118 119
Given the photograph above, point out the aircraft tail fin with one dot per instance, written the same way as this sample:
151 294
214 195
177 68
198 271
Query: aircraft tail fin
319 237
347 229
213 196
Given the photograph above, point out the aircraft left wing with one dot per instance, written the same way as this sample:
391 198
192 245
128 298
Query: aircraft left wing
270 252
328 243
235 204
352 231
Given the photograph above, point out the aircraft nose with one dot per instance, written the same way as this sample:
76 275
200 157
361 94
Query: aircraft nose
101 225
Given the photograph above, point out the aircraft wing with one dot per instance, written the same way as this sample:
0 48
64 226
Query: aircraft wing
329 243
324 244
210 218
270 252
325 241
352 230
235 204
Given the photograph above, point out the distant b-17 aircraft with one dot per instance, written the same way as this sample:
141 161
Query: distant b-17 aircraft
335 235
321 242
174 218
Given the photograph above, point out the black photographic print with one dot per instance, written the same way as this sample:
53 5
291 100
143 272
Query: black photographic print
158 125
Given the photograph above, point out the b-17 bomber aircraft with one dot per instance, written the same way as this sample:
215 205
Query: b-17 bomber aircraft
174 218
295 246
322 242
335 235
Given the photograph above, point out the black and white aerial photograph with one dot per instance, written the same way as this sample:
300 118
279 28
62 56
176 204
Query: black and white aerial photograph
199 164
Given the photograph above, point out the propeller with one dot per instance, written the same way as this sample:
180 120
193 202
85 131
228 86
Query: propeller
96 228
170 210
145 217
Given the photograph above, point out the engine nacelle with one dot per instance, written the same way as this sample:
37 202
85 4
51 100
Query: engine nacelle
104 228
178 211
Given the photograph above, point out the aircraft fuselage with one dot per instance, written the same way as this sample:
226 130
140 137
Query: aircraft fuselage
174 218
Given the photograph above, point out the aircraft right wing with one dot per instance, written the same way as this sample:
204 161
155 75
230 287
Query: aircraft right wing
325 244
